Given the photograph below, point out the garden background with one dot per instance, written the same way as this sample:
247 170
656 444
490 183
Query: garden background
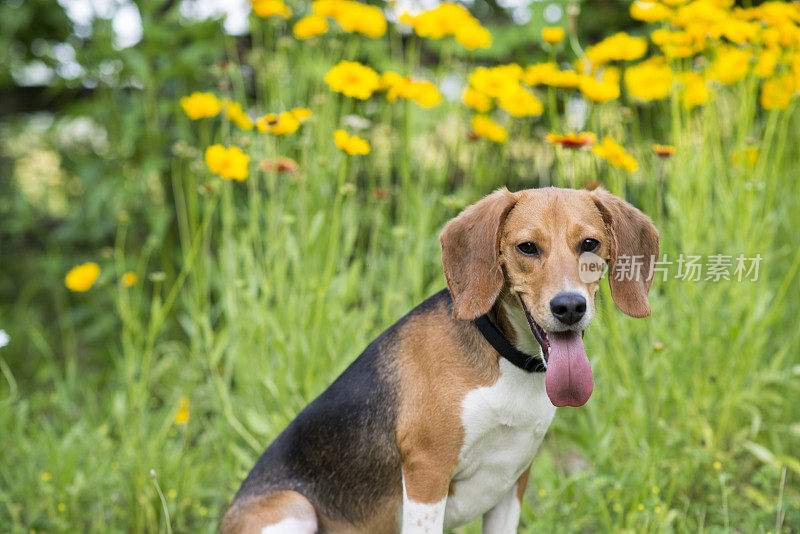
180 275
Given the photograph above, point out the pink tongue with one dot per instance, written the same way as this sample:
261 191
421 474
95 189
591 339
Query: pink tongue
569 379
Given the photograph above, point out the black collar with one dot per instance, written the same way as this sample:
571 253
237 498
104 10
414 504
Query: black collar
532 364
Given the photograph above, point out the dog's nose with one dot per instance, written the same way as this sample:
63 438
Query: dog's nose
568 307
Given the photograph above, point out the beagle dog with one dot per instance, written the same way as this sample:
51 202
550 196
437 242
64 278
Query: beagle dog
436 423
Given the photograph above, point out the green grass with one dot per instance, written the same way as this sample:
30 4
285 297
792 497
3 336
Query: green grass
254 296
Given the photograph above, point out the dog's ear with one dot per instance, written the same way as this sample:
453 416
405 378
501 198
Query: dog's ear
470 255
634 249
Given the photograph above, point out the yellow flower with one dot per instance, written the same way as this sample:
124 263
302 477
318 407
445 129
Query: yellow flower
553 35
767 61
477 100
540 73
82 277
450 19
571 139
567 79
618 47
615 154
350 143
739 31
664 151
264 124
600 91
777 92
129 279
310 26
443 20
62 507
649 11
703 12
730 65
327 8
423 92
474 36
229 163
717 465
390 79
484 126
649 80
353 79
235 114
269 8
695 91
301 114
279 124
200 105
678 44
520 103
359 18
748 158
550 74
182 415
46 477
496 81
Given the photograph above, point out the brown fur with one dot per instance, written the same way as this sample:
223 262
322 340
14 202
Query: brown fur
252 515
522 483
633 235
469 255
439 360
429 430
557 221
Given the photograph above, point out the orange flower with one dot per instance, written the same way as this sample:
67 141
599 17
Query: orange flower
664 151
572 139
280 165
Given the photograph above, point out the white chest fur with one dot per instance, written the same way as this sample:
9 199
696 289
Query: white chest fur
504 425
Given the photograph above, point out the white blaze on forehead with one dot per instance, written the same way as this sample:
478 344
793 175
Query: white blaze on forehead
422 518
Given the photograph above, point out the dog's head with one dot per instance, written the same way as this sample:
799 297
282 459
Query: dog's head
541 253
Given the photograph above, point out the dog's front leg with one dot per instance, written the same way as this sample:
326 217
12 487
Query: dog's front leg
425 486
503 518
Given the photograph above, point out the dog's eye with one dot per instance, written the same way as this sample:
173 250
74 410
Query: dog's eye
528 248
589 245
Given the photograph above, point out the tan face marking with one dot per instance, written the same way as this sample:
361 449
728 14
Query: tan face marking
557 221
